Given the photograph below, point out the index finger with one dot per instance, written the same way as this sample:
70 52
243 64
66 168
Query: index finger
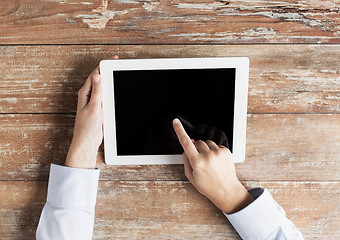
184 139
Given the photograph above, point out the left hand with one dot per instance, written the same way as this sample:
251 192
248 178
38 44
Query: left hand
88 130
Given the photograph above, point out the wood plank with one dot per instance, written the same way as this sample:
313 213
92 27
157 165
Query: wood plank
279 147
294 79
173 210
140 22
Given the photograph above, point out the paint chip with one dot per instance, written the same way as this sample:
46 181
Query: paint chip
101 16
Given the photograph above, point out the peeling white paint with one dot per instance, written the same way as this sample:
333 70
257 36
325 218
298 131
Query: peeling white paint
162 31
144 189
87 3
10 100
201 6
84 3
59 1
72 3
101 16
255 92
285 16
183 191
294 17
222 36
150 6
259 31
332 97
328 71
189 35
131 1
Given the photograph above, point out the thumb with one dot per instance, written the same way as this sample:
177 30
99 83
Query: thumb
97 89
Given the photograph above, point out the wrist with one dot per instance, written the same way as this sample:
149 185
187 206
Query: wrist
80 158
235 199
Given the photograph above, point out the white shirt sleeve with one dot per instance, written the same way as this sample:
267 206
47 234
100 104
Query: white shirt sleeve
263 219
69 209
71 199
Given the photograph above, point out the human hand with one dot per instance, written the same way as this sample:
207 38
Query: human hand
88 132
160 137
204 132
210 168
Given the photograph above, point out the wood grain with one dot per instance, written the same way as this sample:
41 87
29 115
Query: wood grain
171 210
279 147
283 79
293 133
145 22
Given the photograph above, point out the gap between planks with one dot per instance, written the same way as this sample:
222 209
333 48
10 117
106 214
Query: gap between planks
249 113
157 44
184 181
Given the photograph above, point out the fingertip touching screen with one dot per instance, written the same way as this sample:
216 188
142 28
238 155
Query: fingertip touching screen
146 102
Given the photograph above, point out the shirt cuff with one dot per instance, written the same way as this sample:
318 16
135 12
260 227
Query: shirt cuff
258 219
74 188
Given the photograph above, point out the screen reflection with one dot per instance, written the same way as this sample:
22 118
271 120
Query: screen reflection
161 138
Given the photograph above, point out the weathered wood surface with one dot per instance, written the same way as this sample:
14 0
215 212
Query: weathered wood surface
145 22
283 79
170 210
279 147
294 152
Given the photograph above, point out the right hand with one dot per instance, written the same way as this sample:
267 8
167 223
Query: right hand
210 168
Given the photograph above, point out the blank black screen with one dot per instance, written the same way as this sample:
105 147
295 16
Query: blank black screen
146 101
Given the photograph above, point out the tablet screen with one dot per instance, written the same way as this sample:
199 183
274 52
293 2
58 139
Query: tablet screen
146 102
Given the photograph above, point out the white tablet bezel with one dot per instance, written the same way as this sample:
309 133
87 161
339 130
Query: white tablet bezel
107 67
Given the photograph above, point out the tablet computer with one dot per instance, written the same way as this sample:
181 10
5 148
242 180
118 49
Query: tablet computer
143 96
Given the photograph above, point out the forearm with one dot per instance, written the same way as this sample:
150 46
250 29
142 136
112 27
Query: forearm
69 209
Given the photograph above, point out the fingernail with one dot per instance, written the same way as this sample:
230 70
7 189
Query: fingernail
96 79
176 121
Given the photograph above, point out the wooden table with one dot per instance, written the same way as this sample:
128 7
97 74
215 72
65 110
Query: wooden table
48 47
